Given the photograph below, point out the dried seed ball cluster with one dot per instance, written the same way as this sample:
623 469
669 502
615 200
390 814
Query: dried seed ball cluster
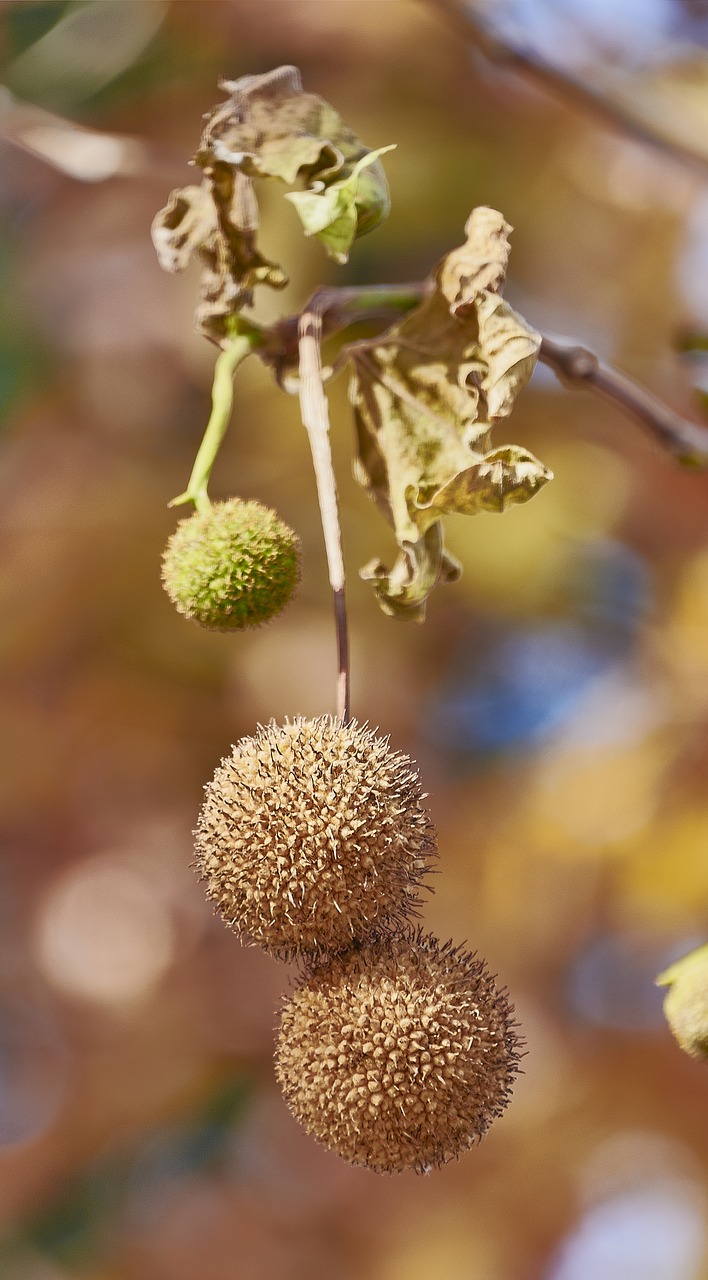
313 834
233 566
398 1055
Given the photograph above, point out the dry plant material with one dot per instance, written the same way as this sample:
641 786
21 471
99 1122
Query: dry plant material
396 1051
398 1055
267 128
313 841
426 395
313 834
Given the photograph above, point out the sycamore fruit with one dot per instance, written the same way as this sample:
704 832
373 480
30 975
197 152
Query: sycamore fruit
232 566
398 1055
313 834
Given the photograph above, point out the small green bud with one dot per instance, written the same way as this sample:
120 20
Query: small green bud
342 208
233 566
686 1001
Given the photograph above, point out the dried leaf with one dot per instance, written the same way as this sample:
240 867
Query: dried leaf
426 395
186 222
503 477
218 221
403 592
510 350
686 1001
269 128
480 263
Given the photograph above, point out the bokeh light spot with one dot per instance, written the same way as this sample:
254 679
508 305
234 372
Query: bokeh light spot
655 1232
103 934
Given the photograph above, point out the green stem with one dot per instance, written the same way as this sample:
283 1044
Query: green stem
222 395
355 300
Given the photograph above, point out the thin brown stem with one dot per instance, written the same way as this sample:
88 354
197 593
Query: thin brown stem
578 367
481 31
315 416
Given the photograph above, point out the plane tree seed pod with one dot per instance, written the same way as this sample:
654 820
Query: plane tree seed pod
232 566
313 834
398 1055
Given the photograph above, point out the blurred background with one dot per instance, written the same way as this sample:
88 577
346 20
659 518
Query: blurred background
556 699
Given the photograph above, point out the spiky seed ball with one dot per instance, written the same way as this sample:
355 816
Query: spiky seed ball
313 833
233 566
398 1055
686 1001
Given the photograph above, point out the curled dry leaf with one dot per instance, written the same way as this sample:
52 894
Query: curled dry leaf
403 591
219 221
267 128
479 264
426 395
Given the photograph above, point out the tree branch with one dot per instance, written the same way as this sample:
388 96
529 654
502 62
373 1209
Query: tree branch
528 63
574 365
339 307
315 416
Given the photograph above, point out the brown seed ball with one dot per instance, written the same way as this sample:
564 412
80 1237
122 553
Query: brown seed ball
398 1055
313 833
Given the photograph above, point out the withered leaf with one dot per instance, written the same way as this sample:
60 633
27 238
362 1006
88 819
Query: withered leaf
510 350
218 221
268 128
426 395
403 592
480 263
504 476
187 221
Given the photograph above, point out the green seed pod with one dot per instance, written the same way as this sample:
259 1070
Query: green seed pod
233 566
686 1001
312 834
398 1055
